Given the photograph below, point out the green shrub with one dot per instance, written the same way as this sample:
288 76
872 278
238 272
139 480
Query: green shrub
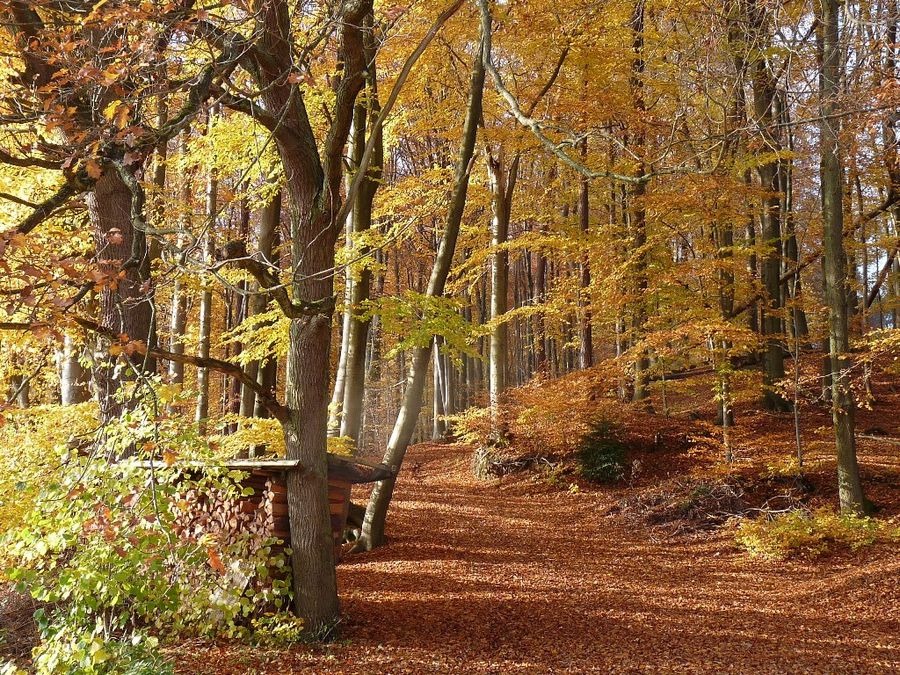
112 551
277 630
602 457
798 533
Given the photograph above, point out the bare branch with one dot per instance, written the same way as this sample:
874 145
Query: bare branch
236 252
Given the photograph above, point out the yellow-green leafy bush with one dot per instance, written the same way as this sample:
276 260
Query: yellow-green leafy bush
799 533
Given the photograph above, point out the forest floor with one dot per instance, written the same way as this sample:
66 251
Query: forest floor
530 575
543 572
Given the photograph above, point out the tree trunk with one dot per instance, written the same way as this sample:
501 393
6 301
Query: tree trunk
269 239
178 315
126 306
502 184
437 424
835 261
202 411
584 220
372 534
313 179
638 214
73 377
358 328
764 98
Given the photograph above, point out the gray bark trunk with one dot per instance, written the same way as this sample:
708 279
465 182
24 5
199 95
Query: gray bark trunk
73 377
206 300
358 328
835 263
502 184
372 534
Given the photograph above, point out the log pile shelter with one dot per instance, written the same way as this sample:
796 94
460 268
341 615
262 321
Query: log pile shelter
265 511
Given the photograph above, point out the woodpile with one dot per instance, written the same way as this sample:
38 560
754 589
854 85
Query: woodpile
256 518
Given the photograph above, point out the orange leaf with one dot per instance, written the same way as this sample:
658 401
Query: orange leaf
214 560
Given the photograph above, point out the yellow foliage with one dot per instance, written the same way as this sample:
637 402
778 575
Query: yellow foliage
40 436
798 533
252 432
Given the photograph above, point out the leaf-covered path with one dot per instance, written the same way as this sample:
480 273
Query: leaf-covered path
481 577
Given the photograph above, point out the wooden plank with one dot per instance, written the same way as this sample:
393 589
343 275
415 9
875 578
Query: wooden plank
242 464
353 471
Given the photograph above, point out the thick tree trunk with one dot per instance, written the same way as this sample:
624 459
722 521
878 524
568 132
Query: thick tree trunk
502 184
313 182
372 534
126 305
835 262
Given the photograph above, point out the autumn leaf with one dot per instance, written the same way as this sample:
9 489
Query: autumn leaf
115 237
93 169
214 560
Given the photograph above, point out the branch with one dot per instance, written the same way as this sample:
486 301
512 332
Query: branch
550 82
378 125
882 275
532 124
7 158
278 411
249 108
234 49
889 201
236 252
46 208
18 200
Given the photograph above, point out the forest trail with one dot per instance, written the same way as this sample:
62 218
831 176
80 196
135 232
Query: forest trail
520 577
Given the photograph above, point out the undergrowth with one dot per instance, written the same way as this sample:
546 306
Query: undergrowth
602 457
800 533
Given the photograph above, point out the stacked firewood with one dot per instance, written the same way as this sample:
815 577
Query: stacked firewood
256 518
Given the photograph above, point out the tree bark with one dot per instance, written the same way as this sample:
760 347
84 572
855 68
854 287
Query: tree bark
73 377
269 239
372 534
206 298
502 184
638 214
764 99
835 261
313 182
584 220
178 312
365 115
126 304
